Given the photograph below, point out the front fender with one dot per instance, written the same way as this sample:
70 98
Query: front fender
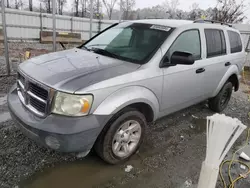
127 96
232 70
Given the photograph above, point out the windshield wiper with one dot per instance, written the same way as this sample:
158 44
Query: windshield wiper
85 48
105 52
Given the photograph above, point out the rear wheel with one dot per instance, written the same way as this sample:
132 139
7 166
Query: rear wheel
122 137
220 101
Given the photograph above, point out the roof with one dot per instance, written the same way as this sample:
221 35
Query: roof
165 22
179 23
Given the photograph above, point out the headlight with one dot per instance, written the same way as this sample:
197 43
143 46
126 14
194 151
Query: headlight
72 105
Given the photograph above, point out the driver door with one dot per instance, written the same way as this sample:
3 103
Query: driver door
182 84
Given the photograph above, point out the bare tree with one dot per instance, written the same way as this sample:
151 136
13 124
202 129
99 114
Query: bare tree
138 17
61 4
97 6
171 8
8 3
76 3
127 7
16 4
195 12
84 4
47 5
109 5
97 9
30 5
229 11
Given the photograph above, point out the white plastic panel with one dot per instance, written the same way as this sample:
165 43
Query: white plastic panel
20 22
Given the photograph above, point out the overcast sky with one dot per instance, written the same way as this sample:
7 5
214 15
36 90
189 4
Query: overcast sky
184 4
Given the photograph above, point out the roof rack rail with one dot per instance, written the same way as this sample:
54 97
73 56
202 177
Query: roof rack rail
212 21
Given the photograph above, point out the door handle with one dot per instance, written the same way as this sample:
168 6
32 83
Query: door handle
227 64
200 70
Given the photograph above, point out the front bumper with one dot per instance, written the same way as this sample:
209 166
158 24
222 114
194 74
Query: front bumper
65 134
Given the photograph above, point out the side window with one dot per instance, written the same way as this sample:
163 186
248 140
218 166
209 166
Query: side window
216 44
188 41
235 42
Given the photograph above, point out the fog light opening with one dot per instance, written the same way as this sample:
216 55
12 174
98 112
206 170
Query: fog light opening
52 142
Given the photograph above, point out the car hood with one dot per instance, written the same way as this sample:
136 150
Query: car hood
74 69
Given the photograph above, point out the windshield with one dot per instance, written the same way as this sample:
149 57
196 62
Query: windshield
134 42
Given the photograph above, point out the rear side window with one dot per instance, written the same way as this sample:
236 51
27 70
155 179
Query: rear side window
216 44
235 42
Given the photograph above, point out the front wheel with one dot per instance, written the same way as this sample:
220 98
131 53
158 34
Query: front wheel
220 101
123 136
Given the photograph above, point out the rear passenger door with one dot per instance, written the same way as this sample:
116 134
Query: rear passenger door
216 61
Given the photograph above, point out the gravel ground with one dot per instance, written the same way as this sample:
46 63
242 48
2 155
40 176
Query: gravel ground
170 156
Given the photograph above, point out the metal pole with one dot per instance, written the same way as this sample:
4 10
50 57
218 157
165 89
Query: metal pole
120 13
41 18
6 48
71 21
91 18
71 24
54 23
99 16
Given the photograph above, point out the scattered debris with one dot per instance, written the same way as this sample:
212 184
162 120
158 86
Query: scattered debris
195 117
243 167
82 154
244 156
128 168
188 183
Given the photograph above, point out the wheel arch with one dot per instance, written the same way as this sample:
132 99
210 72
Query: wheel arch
235 81
138 97
231 75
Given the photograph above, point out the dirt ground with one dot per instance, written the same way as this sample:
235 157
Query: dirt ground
170 156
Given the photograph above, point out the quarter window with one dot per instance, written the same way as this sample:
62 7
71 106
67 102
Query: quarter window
216 44
235 42
188 41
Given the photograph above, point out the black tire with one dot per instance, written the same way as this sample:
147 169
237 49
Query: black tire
220 101
103 145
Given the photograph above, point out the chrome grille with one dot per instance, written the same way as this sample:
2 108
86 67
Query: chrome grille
38 91
21 78
41 107
33 95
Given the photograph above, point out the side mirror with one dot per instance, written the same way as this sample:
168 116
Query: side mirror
182 58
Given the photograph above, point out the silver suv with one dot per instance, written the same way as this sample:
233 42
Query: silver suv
102 94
